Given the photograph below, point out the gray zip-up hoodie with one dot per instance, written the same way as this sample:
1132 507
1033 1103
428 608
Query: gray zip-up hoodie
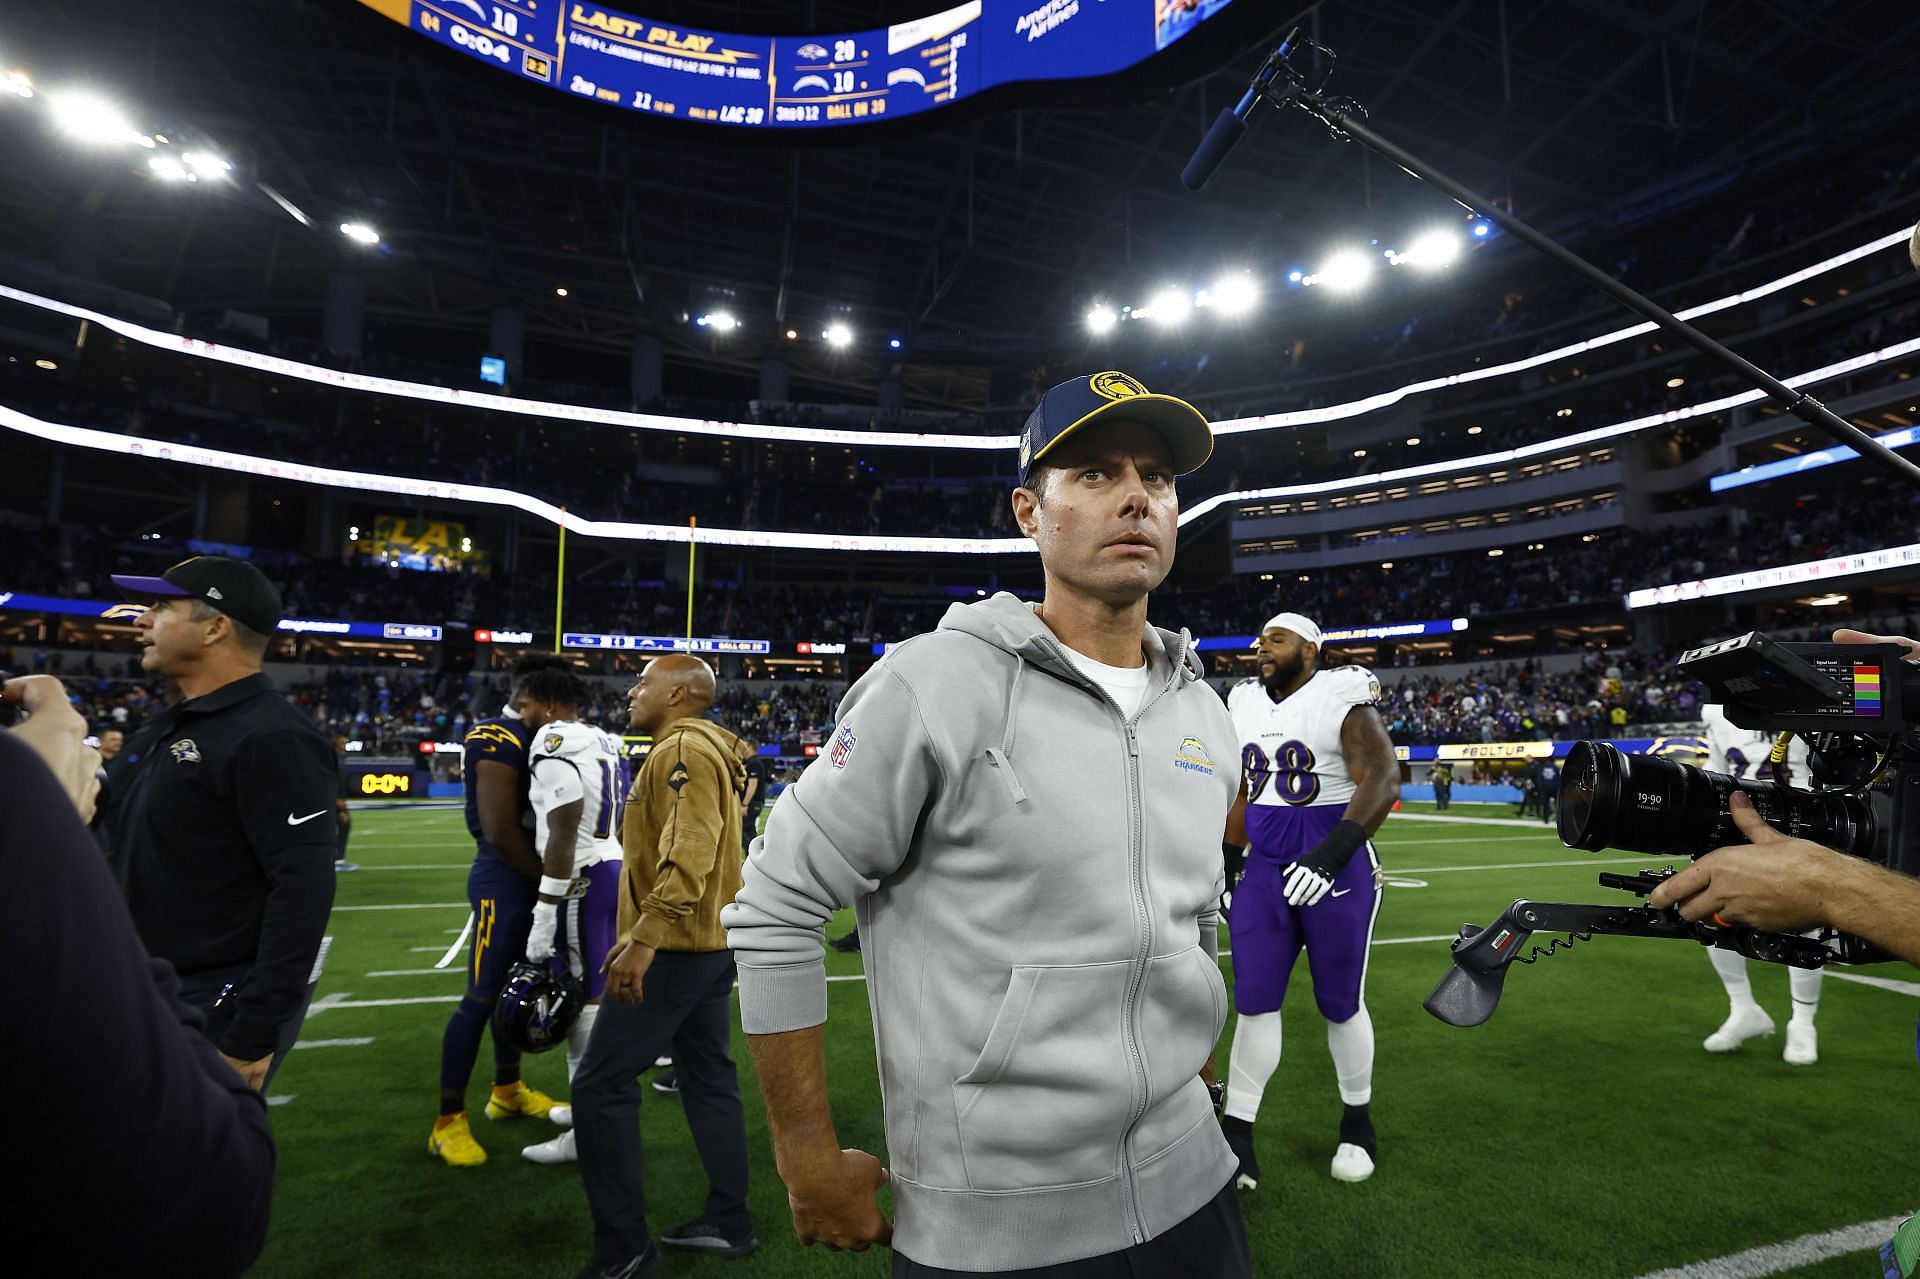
1036 881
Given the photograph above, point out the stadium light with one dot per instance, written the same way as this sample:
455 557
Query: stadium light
1344 272
205 164
170 168
92 120
560 292
1102 318
360 233
837 335
793 335
1481 230
1235 295
1169 307
894 344
17 84
1296 277
1431 251
718 321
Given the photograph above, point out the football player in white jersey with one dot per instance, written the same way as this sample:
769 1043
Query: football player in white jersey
1318 776
1747 753
577 792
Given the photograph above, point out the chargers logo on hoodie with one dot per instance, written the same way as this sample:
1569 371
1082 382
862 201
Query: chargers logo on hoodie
1193 757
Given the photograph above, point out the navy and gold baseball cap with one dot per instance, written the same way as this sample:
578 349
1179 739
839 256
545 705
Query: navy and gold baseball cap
1074 405
235 587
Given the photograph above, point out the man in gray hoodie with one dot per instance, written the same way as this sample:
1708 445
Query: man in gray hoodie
1023 808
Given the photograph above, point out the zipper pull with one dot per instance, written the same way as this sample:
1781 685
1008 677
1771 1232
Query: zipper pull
1133 743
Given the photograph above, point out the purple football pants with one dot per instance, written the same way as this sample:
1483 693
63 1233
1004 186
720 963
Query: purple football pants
1268 934
588 925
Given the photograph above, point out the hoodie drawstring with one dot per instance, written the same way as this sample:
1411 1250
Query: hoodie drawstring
999 756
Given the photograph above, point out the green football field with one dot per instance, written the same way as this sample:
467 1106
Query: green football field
1582 1131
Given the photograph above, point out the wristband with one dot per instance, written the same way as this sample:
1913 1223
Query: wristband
1330 855
554 886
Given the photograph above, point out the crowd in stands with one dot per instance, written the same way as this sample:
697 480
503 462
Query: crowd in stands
389 711
1593 569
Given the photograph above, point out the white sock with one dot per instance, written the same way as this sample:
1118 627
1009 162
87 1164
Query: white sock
577 1038
1733 975
1351 1043
1805 985
1256 1055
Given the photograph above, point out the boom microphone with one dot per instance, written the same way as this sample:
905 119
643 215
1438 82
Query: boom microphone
1231 124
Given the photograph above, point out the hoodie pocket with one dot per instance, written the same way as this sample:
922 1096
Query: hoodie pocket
1182 1011
1052 1091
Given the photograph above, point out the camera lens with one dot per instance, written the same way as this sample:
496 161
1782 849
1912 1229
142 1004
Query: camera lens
1609 799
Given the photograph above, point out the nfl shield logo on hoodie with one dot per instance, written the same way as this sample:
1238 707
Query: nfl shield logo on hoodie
842 746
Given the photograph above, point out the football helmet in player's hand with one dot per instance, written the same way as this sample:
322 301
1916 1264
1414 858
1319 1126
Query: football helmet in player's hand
546 917
538 1006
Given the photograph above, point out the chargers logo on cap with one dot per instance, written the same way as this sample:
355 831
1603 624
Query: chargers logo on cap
1026 449
1116 386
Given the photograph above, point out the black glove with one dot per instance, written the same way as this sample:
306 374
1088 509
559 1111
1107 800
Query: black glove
1312 876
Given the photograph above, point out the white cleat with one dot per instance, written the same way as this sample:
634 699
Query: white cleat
1803 1044
1748 1023
561 1115
1351 1163
558 1151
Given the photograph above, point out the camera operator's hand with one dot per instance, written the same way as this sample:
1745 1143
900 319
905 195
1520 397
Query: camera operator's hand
1775 883
58 735
1845 636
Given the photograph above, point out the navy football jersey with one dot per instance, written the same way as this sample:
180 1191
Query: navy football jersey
502 739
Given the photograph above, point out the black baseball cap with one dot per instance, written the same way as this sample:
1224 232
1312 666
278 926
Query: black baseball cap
235 587
1079 403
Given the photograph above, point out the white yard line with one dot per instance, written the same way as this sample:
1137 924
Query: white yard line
346 1001
1545 828
1792 1255
1884 983
359 1041
1581 861
416 972
413 906
420 866
1424 841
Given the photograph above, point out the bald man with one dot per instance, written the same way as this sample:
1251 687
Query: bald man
669 979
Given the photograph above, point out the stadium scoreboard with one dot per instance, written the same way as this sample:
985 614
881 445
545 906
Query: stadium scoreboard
666 69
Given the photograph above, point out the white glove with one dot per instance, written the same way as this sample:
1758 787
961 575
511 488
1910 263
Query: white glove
1305 886
546 917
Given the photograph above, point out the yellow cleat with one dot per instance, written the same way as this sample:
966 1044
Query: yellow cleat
523 1100
454 1143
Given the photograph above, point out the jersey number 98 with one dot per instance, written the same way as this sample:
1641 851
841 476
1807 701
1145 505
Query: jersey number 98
1290 771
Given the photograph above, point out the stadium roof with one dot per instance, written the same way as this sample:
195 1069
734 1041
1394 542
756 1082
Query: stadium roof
978 234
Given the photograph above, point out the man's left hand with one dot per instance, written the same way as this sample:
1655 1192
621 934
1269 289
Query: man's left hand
1775 883
626 969
254 1072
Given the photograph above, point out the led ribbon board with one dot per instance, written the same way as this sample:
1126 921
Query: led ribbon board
798 82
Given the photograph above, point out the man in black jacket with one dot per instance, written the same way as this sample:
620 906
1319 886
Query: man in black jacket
222 829
168 1134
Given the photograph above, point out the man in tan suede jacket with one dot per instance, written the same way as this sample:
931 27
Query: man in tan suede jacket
669 980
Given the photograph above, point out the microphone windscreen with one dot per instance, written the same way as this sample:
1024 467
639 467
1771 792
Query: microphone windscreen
1227 129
